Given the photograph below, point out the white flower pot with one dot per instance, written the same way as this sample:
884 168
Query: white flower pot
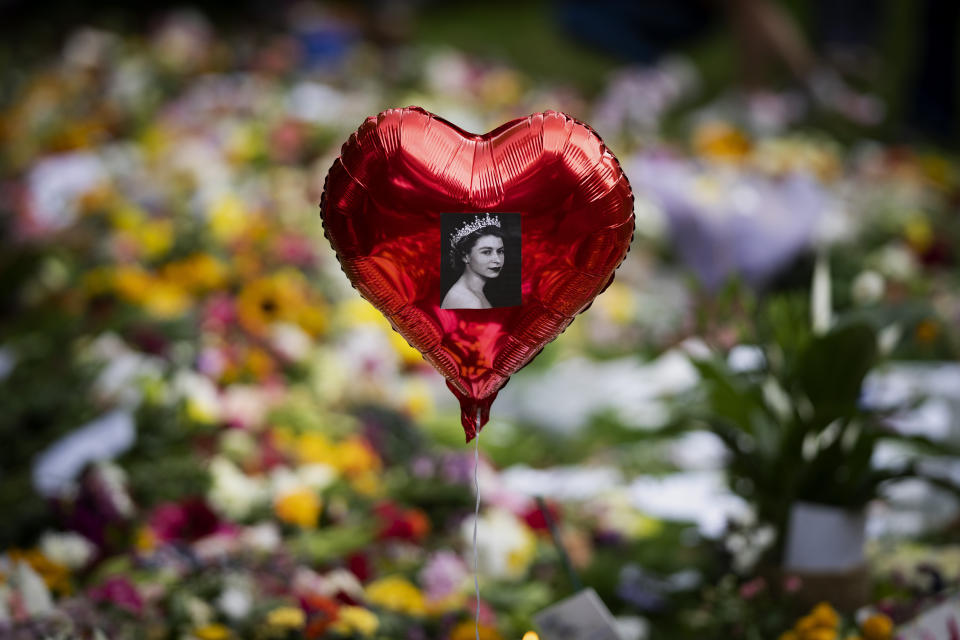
824 539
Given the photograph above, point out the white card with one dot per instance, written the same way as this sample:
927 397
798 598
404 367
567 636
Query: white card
582 616
942 622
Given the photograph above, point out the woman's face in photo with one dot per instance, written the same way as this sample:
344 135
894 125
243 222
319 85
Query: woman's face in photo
486 257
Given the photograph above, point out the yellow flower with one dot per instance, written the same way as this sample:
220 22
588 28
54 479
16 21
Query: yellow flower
212 632
877 627
824 615
259 363
157 296
165 299
315 448
396 594
720 141
280 297
242 144
286 618
367 484
356 620
55 575
131 283
199 272
355 456
618 303
821 633
417 398
919 233
447 604
531 635
789 635
358 312
154 237
300 507
467 630
228 218
144 539
804 624
519 559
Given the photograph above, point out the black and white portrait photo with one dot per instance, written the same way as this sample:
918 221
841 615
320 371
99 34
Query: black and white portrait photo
481 260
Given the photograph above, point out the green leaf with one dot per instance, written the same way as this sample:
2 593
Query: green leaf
831 370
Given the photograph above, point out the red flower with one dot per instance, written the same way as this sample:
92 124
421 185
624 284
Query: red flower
359 565
536 520
119 592
321 613
401 524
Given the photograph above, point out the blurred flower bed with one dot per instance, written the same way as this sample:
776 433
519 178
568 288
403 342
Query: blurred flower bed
207 434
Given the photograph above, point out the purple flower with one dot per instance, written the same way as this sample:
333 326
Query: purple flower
642 590
725 222
457 468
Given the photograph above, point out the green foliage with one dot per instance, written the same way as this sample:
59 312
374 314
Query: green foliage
794 429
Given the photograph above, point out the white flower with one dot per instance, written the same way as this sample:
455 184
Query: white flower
238 444
867 287
343 581
895 262
632 627
245 405
200 612
235 602
68 549
233 493
284 480
126 370
56 184
263 537
290 341
36 597
200 394
316 476
113 480
505 545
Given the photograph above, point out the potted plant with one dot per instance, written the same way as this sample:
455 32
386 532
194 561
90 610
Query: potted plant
801 445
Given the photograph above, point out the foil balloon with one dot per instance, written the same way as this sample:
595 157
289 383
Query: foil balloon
479 249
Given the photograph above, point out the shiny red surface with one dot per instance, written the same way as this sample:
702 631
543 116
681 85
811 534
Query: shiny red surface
381 210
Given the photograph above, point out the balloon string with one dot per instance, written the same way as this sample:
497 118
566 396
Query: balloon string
476 517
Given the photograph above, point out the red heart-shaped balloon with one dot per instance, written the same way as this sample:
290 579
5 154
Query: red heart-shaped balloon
394 207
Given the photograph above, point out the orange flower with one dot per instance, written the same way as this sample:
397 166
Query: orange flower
877 627
467 630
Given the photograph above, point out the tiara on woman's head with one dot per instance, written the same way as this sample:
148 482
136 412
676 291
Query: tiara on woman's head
470 227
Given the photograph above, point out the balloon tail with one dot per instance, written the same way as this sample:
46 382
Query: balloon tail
476 517
474 413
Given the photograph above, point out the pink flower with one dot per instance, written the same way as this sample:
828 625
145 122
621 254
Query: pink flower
119 592
189 520
751 589
792 584
295 249
443 575
219 313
